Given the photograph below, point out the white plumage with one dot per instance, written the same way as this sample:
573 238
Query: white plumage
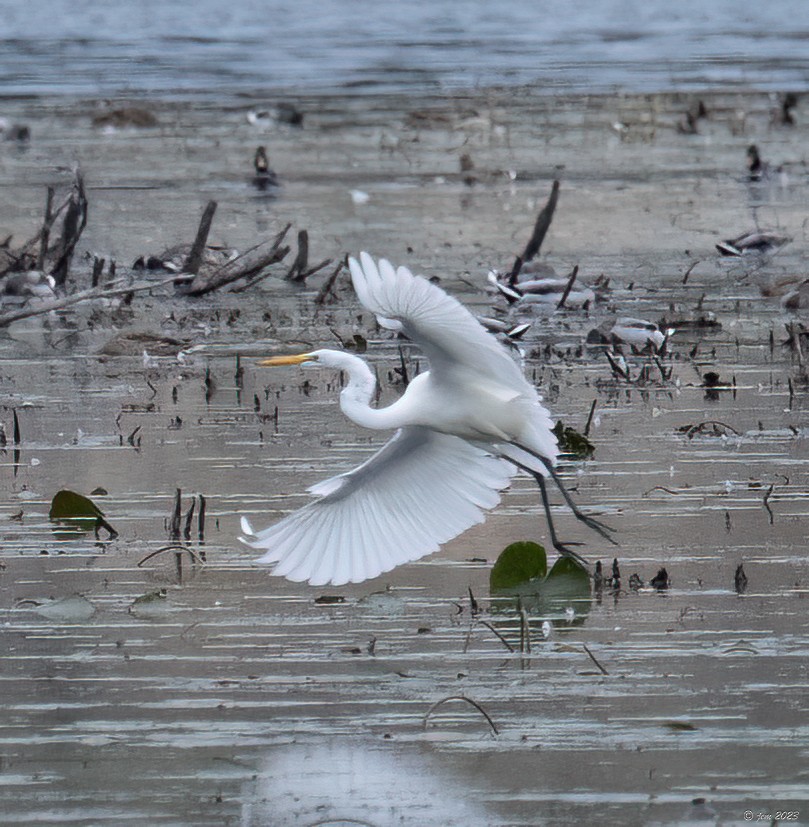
456 427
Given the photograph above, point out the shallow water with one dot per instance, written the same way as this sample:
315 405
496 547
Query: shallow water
164 48
231 697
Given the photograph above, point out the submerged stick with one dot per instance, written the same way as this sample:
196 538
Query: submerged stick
497 634
17 438
595 660
201 519
188 519
175 548
465 700
568 287
174 526
590 417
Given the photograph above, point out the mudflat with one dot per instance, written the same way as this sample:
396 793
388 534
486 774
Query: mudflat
193 687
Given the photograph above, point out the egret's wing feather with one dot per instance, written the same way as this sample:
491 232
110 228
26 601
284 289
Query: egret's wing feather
447 332
418 491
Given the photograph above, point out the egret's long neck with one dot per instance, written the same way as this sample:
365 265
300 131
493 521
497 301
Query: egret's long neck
355 398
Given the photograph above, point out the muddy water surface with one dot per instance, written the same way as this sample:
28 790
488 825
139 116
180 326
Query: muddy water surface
230 697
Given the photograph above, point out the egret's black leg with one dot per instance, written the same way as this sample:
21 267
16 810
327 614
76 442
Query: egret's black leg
559 546
590 522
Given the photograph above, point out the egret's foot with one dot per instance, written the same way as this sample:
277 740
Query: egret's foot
568 552
597 526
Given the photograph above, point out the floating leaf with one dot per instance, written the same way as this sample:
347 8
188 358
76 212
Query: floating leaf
78 513
572 443
68 505
517 564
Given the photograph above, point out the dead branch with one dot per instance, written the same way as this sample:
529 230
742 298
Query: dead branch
541 227
45 233
298 268
324 291
194 259
72 227
248 264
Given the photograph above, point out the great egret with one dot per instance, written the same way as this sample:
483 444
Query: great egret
463 430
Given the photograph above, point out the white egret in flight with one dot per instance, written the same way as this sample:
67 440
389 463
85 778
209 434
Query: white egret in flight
462 430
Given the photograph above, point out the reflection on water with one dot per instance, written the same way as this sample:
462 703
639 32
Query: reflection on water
156 48
342 782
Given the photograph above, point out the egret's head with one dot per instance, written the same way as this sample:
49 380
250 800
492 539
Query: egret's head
312 359
306 360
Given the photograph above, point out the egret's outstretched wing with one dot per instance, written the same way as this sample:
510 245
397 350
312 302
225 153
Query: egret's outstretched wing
447 332
420 490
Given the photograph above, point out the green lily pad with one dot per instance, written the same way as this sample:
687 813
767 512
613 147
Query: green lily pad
519 573
78 513
517 564
572 443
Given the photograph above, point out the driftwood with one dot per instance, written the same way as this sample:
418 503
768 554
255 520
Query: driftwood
54 259
249 263
37 252
84 295
541 227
